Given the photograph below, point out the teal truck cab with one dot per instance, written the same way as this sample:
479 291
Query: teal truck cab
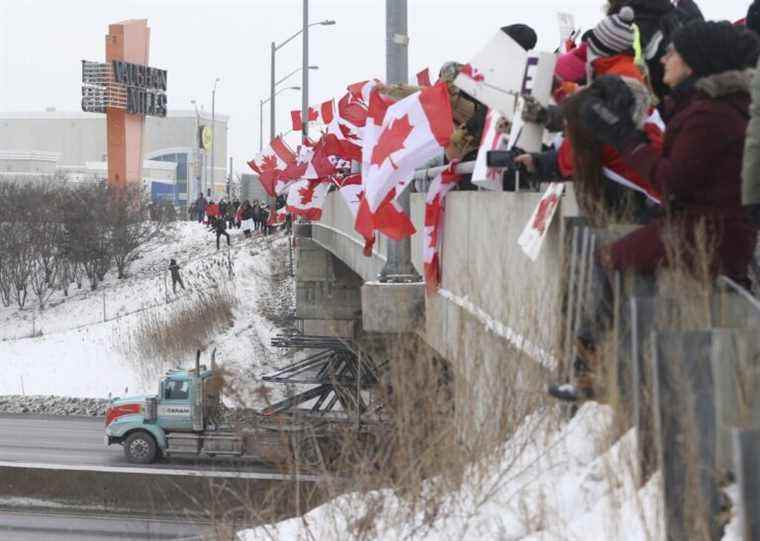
183 419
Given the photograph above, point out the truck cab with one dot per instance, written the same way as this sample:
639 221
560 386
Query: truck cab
186 404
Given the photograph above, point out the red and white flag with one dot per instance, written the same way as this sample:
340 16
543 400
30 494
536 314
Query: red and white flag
389 218
434 212
532 237
414 130
352 192
295 117
307 197
423 78
271 169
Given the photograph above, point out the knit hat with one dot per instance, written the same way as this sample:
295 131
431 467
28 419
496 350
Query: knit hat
710 47
614 34
523 34
571 66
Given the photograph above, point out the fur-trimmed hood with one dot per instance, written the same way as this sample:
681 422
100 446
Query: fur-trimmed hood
726 83
644 101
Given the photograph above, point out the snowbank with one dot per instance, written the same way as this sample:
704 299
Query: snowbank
552 483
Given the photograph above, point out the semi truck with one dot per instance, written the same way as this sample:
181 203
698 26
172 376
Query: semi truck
185 419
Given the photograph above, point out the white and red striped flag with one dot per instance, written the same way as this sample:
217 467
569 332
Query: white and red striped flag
434 212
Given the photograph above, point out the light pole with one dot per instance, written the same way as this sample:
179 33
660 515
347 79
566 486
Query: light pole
213 129
398 266
274 49
261 113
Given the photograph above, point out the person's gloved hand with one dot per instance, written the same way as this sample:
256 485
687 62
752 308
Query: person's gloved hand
533 111
608 126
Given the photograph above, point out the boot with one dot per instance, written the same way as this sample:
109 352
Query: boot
585 367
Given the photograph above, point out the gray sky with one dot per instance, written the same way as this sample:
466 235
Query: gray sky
43 41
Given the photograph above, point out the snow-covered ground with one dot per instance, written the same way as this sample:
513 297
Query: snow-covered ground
565 483
80 355
554 481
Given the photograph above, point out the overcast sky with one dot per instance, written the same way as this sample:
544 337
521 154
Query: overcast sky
43 41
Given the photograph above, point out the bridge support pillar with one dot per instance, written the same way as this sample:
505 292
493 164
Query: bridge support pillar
392 307
328 292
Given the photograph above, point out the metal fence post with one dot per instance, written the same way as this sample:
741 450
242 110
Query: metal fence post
747 458
685 426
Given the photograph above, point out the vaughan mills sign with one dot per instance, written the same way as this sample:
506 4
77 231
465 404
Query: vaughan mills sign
141 90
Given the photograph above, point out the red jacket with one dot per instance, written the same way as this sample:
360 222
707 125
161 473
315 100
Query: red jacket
698 171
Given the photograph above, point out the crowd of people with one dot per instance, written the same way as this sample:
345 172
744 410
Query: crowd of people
657 118
219 217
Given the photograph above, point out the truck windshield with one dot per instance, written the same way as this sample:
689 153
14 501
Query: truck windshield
176 390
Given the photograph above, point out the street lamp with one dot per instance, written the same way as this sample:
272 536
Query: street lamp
305 67
261 113
213 129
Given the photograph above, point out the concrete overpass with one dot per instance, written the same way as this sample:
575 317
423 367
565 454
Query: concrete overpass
494 307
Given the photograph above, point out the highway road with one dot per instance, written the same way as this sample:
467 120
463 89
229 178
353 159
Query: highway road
78 441
17 525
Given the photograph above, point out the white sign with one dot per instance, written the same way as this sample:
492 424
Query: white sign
566 27
492 139
173 411
495 75
539 75
532 237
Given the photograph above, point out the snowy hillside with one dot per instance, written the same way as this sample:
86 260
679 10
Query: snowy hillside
75 353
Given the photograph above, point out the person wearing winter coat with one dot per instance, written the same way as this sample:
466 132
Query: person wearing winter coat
200 206
708 68
176 278
751 166
246 218
597 169
220 228
657 21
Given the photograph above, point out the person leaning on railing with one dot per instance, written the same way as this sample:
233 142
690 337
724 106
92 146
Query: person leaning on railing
708 67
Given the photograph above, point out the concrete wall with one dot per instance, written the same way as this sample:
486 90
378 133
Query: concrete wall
328 292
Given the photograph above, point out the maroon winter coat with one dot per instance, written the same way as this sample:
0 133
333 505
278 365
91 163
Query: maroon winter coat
699 173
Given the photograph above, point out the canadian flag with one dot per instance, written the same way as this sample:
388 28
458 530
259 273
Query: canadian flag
413 131
389 218
434 213
341 138
295 116
532 237
271 166
307 197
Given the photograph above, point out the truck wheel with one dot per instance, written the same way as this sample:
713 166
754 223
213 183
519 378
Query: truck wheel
140 448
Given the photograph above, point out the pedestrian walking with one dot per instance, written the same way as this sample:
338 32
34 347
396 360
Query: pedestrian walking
220 228
176 278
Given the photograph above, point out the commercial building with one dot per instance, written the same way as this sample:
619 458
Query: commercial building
73 145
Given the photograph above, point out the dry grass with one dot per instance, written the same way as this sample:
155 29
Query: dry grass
164 337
